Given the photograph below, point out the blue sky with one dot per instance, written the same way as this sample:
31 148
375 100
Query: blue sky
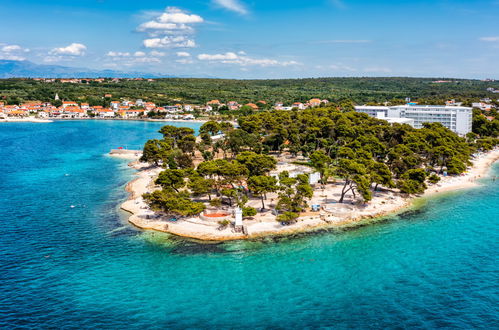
258 38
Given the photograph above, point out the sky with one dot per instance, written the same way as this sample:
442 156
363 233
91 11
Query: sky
258 38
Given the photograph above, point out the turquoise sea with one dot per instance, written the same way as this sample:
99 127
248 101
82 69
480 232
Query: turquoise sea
69 260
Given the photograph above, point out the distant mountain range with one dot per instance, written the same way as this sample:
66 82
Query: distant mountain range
26 69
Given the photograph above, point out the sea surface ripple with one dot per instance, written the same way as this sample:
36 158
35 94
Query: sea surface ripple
68 259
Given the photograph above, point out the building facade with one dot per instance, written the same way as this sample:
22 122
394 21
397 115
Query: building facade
456 118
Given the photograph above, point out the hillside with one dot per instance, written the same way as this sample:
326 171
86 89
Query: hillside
26 69
198 91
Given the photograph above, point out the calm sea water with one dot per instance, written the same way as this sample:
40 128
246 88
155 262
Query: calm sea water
69 260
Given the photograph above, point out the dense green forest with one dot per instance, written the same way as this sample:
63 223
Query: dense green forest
361 151
199 91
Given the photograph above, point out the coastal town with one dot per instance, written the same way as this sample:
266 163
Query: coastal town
452 115
126 109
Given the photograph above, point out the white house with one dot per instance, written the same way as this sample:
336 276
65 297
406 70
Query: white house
299 105
66 104
106 113
482 106
115 105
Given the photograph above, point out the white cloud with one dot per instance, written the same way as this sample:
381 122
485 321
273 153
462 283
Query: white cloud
118 54
11 57
157 28
233 58
170 42
13 52
11 48
178 16
75 49
232 5
489 39
183 54
171 20
130 59
171 29
218 57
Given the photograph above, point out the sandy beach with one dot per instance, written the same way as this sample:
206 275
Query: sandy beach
332 215
201 121
481 165
25 120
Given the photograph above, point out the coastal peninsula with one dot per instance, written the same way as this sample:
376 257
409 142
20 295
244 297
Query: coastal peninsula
383 204
291 187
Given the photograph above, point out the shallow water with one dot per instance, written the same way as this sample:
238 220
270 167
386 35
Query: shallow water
83 266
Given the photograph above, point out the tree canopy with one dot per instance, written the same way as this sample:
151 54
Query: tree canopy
363 152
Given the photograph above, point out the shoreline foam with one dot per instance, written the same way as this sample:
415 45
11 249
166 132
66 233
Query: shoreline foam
388 205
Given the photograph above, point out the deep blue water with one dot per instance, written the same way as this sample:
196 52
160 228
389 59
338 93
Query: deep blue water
84 267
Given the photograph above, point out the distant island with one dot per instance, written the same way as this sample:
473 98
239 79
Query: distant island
284 172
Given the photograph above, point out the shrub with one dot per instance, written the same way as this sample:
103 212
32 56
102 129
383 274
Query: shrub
287 217
224 223
216 202
433 178
249 211
408 186
413 181
455 166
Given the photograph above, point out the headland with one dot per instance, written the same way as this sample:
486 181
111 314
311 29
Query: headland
332 215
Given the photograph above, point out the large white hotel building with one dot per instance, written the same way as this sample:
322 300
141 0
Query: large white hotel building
456 118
